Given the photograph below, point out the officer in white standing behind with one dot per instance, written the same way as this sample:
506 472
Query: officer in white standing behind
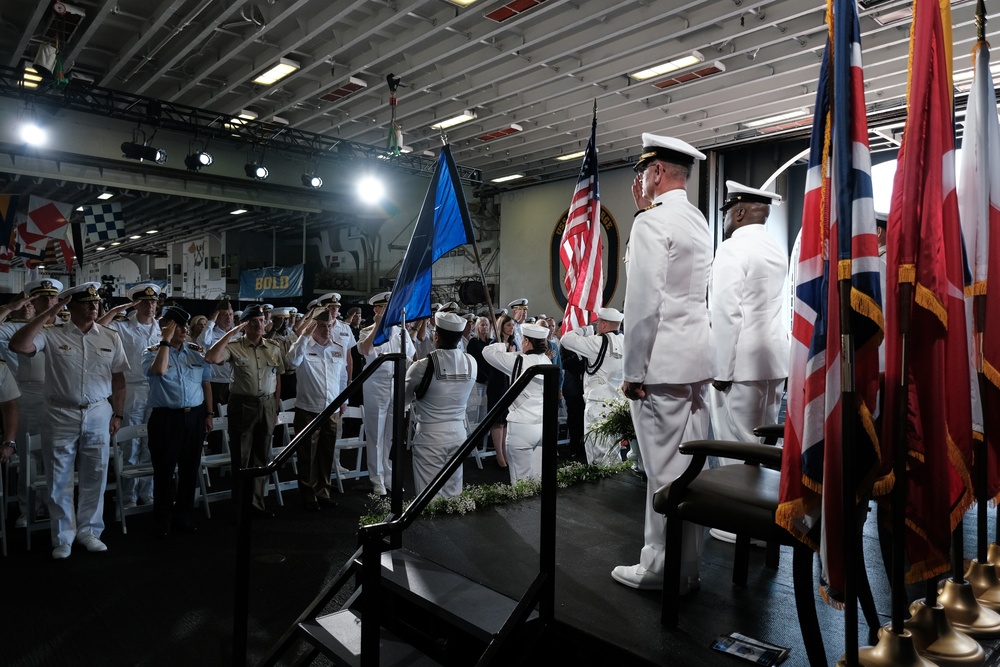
669 356
438 388
85 365
138 332
524 420
319 357
518 313
378 396
748 323
602 346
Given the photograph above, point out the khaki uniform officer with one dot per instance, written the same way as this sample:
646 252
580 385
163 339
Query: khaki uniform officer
85 365
254 401
669 357
438 388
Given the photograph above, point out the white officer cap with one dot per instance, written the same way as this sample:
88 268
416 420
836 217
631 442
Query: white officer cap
449 322
668 149
435 306
610 315
741 193
267 307
380 299
144 292
518 303
284 311
46 287
535 331
238 314
331 299
531 320
312 304
82 292
448 307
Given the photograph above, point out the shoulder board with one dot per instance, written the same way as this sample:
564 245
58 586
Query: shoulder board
53 324
196 347
17 320
120 318
153 348
648 208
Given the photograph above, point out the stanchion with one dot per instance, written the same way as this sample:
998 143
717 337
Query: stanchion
936 639
955 594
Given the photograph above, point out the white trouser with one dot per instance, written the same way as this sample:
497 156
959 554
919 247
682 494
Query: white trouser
75 438
524 450
600 450
378 429
433 445
669 415
136 450
744 407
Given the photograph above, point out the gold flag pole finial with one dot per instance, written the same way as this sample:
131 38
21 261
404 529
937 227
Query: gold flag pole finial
981 20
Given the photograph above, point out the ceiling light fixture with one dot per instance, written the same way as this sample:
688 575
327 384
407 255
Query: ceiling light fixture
778 118
141 150
135 236
464 117
571 156
256 171
32 134
152 231
31 78
708 69
105 196
462 3
311 180
688 60
116 243
100 247
195 161
508 177
283 68
238 211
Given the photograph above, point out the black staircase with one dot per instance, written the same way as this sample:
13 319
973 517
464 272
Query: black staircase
406 610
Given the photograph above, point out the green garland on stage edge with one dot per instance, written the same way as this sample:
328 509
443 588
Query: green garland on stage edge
478 496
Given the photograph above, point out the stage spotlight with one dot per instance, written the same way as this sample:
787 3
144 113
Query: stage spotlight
370 189
197 160
134 151
255 170
32 134
311 180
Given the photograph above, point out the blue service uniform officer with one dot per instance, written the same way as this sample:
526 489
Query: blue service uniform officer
180 398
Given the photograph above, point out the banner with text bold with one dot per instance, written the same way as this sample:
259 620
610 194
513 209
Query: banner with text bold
272 283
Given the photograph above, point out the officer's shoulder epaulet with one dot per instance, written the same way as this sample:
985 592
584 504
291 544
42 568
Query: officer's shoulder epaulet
51 324
196 347
648 208
153 348
120 318
16 320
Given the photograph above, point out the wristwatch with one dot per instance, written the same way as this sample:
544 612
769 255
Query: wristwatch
164 343
11 444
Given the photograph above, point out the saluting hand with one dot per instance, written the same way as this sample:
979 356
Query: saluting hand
640 199
167 331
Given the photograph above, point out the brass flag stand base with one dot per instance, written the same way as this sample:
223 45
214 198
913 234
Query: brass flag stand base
964 611
985 584
936 640
993 556
892 650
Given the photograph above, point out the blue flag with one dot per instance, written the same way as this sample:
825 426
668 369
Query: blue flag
442 226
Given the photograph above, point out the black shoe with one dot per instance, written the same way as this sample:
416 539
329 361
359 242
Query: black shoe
327 502
259 513
312 507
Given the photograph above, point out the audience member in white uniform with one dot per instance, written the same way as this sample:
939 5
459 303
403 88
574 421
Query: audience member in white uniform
748 323
138 332
319 357
85 365
669 355
524 420
341 331
438 389
602 346
378 397
518 313
219 323
282 334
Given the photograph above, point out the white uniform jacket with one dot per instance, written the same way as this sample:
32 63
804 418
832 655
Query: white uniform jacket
748 277
668 339
319 371
603 383
449 388
136 339
221 373
527 407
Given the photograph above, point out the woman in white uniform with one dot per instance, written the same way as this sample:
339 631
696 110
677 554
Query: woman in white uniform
524 421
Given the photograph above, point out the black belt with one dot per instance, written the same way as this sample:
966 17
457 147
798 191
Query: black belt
248 397
193 407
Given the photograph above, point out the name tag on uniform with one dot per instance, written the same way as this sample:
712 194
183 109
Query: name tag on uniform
313 354
106 349
337 355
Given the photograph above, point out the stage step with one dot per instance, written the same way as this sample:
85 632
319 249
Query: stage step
338 635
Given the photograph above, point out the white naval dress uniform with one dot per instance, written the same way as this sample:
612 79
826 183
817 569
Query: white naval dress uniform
378 409
524 420
342 334
136 339
78 369
601 384
439 415
748 326
668 348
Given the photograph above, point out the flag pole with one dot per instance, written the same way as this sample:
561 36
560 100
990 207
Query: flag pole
479 265
849 484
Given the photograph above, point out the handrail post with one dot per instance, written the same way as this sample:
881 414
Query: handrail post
241 570
371 598
398 436
547 539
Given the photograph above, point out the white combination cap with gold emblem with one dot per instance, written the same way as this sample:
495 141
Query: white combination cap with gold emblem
521 304
44 287
82 292
144 292
739 193
668 149
380 299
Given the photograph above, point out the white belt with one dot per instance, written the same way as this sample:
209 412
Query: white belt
439 427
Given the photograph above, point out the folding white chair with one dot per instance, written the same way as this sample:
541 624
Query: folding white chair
279 440
3 510
221 461
124 470
474 409
356 443
35 486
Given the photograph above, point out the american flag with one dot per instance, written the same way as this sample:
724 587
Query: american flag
925 254
580 251
838 242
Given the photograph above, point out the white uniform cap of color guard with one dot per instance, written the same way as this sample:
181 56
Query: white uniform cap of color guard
534 331
737 193
449 322
610 315
668 149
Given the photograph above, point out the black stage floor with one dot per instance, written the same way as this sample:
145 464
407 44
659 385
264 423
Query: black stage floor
168 602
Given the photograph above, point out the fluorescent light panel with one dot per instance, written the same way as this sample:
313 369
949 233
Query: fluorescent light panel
463 117
463 3
105 195
238 211
508 177
283 68
571 156
31 78
781 117
705 70
688 60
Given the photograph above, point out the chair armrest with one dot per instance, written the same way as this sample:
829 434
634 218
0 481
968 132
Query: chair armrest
768 456
770 432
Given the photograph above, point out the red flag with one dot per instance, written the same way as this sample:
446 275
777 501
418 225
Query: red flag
580 251
46 217
924 249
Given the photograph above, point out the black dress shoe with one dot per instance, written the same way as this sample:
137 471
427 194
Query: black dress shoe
258 513
326 502
312 507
